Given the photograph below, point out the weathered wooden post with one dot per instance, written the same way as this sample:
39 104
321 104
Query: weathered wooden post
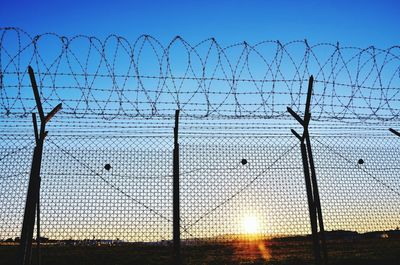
33 195
314 204
394 132
176 209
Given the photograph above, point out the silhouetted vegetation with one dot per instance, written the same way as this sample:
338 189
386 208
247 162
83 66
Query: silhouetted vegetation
351 251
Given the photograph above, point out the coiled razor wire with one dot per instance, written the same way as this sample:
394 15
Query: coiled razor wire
107 161
118 77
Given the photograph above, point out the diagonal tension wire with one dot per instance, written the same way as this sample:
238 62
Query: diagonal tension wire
107 182
382 183
241 189
114 186
23 148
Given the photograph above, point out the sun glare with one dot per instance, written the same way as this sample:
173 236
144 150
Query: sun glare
250 225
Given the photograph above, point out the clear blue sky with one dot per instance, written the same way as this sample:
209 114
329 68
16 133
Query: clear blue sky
355 22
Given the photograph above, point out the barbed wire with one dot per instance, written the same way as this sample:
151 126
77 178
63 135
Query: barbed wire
115 77
107 165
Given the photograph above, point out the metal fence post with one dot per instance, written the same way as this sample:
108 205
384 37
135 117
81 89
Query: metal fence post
314 203
394 132
33 195
39 256
176 209
311 204
317 199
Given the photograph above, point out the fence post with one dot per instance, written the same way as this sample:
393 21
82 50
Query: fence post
38 257
314 203
394 132
317 199
32 198
175 194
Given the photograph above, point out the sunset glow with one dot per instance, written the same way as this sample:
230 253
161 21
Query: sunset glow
250 225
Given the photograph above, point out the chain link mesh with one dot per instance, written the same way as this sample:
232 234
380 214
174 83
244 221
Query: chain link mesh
114 189
107 169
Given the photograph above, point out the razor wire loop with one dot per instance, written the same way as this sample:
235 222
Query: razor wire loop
248 81
123 117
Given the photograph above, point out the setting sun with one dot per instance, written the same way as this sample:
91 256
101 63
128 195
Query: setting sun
250 225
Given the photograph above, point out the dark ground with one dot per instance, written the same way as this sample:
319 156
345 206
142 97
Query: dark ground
346 252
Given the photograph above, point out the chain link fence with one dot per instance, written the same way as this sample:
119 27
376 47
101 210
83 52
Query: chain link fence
243 196
106 192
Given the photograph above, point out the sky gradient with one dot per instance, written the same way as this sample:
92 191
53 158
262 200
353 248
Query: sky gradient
358 23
